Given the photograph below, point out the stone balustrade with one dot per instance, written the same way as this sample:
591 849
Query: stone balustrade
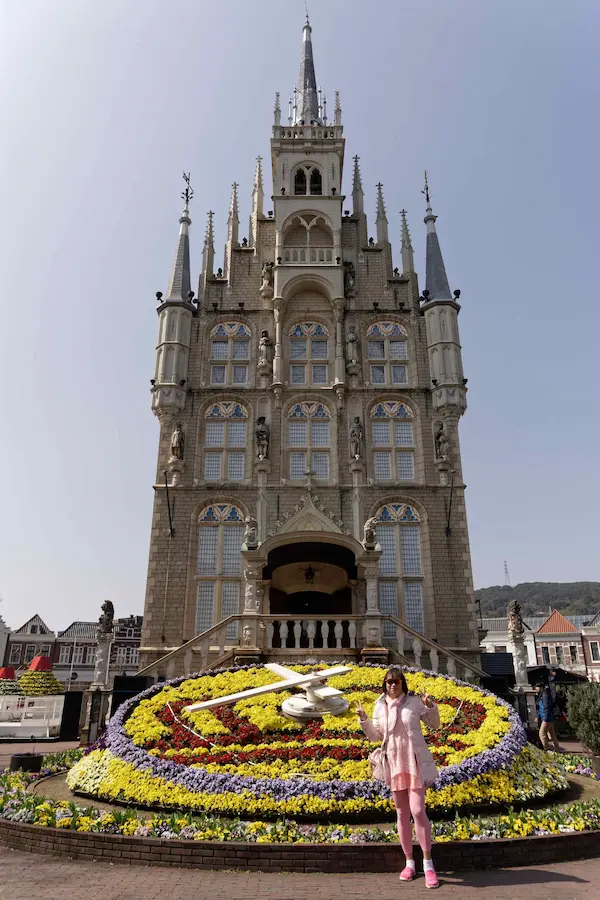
271 636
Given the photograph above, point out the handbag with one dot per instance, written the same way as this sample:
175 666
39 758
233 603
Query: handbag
380 767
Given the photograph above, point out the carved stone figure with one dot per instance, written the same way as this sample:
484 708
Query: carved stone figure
349 279
251 533
370 533
105 622
265 349
373 636
351 346
266 287
177 443
356 436
441 442
262 433
515 619
247 636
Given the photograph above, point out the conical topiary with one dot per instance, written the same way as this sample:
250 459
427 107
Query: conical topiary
39 684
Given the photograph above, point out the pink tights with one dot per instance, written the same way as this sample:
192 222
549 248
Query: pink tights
407 802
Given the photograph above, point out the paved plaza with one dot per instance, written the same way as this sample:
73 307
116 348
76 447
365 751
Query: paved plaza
24 875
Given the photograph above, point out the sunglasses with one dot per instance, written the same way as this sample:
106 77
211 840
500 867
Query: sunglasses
393 681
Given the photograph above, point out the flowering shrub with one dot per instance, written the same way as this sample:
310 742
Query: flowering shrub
10 687
250 760
17 804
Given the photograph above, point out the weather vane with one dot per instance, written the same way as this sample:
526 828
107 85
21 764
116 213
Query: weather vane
426 191
188 193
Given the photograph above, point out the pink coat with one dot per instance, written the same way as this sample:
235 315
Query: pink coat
404 736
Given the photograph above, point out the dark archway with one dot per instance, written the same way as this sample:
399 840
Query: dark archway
310 552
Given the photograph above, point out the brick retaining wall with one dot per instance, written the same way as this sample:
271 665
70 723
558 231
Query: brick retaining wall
329 858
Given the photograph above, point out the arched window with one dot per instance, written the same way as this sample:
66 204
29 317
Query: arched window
229 353
393 441
308 180
219 565
387 348
225 435
300 182
309 440
400 570
309 354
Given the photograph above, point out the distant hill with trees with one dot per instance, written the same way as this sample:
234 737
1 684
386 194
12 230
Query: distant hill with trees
538 598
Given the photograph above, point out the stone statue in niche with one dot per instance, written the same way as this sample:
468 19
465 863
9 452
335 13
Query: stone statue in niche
266 287
262 433
356 436
105 622
351 346
265 350
370 533
251 533
442 446
515 619
349 279
177 443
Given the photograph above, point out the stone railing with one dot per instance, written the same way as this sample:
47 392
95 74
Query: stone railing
285 635
308 256
308 132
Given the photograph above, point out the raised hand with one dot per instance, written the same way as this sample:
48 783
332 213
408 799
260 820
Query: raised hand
362 716
427 700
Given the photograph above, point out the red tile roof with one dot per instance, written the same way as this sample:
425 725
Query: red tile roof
557 624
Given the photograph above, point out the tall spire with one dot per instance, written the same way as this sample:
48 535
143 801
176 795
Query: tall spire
208 253
436 280
337 112
381 221
408 261
358 195
257 191
180 282
306 105
233 222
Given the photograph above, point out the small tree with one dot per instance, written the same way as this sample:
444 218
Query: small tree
583 711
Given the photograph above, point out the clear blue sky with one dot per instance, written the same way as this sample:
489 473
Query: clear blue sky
104 104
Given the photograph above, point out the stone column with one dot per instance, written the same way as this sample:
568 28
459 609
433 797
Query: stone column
373 649
262 468
340 364
278 308
357 469
97 697
250 638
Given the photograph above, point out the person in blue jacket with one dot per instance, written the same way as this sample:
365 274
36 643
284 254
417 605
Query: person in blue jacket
545 702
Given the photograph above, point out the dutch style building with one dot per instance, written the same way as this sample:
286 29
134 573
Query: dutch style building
309 487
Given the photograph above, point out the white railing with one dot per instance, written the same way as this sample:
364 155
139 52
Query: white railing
24 718
329 633
308 256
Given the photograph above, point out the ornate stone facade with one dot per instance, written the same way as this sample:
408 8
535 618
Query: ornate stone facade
317 391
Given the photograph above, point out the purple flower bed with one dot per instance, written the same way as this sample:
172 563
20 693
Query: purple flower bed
201 781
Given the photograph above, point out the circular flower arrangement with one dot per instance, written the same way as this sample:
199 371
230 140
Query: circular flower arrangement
249 760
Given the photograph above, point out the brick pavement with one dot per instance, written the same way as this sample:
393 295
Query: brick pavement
24 875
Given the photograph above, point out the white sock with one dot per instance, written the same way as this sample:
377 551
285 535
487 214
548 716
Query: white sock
410 864
428 865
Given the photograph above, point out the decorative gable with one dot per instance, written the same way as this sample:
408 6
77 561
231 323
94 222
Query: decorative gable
310 515
35 625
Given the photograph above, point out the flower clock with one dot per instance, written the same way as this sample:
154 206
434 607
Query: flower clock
249 760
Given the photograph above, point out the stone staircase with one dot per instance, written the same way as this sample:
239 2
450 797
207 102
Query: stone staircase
308 640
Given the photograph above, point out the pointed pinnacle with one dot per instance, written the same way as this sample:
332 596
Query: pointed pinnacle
380 203
277 107
209 235
338 105
258 182
233 205
357 181
406 241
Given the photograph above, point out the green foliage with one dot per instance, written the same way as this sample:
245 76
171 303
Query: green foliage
583 711
537 598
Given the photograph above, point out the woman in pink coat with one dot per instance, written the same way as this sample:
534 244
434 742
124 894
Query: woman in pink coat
397 724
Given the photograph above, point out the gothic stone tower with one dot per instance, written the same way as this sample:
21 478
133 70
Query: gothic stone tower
309 475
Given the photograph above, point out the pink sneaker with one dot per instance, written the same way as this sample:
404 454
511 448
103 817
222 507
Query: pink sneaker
407 874
431 879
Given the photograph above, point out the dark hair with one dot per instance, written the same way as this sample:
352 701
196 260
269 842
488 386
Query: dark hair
395 672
